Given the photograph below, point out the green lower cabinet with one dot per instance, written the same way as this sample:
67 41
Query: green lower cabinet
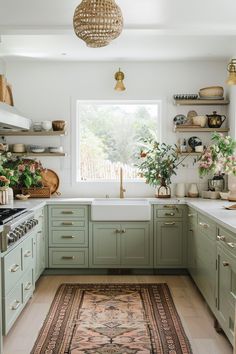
226 291
169 243
105 245
124 245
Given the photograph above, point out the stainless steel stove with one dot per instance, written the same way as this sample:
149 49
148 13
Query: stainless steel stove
16 223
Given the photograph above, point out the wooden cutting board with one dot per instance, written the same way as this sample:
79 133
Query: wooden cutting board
5 91
51 179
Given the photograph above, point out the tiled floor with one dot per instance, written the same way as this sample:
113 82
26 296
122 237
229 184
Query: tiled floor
196 318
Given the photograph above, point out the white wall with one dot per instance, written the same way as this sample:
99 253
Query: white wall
48 90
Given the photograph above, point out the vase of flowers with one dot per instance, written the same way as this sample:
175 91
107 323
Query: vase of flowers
157 163
219 157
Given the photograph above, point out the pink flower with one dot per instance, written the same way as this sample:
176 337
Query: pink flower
21 168
32 168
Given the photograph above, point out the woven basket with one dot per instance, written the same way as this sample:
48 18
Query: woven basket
43 192
98 22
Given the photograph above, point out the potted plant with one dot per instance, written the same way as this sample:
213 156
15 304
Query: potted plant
26 176
157 163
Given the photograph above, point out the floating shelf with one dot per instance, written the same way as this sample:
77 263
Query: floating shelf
200 102
49 154
32 133
202 130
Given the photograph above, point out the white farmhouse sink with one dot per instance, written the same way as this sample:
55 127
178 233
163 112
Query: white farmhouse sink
114 209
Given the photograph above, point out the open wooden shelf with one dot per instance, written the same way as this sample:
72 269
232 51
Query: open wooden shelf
48 154
202 130
32 133
201 102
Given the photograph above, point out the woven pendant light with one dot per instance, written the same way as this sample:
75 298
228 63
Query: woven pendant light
98 22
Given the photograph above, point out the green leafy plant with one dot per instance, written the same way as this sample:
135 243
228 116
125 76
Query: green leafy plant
157 162
21 172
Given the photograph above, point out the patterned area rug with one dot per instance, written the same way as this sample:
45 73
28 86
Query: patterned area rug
112 319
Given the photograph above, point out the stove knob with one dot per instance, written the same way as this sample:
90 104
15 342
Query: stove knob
10 237
35 222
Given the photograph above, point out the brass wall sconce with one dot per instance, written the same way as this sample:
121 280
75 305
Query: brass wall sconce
232 72
119 77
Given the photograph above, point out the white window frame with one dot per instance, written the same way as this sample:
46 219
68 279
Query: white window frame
75 148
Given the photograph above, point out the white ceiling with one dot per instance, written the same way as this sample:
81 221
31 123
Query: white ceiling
153 30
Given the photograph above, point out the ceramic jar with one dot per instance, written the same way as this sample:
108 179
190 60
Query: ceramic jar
180 190
193 191
3 195
46 125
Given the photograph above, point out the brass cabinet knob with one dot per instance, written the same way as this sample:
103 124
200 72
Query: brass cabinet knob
225 264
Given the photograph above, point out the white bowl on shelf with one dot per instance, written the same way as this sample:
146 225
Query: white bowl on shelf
37 150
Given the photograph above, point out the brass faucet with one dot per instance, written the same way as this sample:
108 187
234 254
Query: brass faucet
122 190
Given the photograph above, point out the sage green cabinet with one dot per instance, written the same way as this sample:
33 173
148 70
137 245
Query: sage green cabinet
68 236
169 236
120 245
202 254
40 244
169 243
226 281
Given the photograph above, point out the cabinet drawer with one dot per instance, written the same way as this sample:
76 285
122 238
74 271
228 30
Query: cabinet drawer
27 285
27 253
68 258
12 268
206 226
68 212
227 239
67 223
69 238
169 213
12 306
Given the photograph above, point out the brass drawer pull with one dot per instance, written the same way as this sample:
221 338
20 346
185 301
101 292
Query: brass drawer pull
27 254
67 223
15 268
123 231
28 286
67 212
17 304
68 257
169 223
191 215
231 244
203 224
117 231
170 207
39 232
69 236
169 214
225 264
220 238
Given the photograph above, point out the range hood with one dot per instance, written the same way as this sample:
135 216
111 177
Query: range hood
12 119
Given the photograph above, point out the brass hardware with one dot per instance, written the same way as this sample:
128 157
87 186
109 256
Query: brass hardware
169 214
67 223
17 304
119 77
15 268
170 206
68 257
225 264
123 231
65 236
191 215
221 238
39 232
231 244
122 190
28 286
67 212
203 224
27 254
169 223
118 231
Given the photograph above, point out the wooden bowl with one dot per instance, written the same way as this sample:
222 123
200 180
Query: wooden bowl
58 125
22 196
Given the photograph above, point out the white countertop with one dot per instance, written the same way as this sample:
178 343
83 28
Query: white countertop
211 208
